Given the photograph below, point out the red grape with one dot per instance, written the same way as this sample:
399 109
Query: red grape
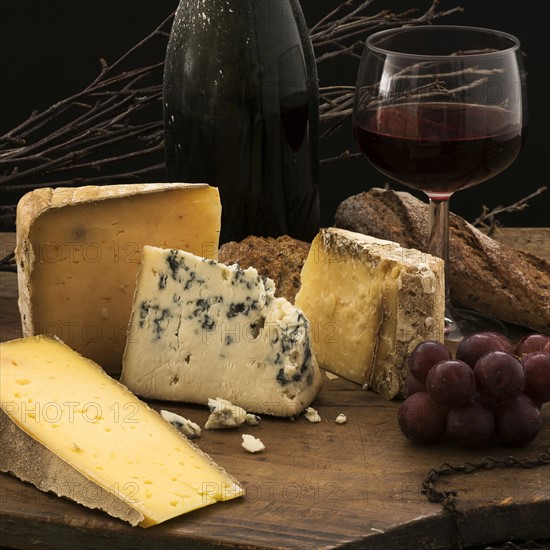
499 376
536 368
476 345
518 421
487 391
426 355
471 425
451 383
412 385
531 343
421 419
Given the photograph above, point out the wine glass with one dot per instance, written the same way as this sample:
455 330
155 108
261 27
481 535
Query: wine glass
441 108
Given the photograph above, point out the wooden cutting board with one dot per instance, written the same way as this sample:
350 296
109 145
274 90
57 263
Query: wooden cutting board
355 485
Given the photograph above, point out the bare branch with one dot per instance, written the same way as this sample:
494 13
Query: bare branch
346 155
518 206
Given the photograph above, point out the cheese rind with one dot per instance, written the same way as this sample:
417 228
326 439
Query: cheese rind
201 329
49 473
370 302
82 427
78 253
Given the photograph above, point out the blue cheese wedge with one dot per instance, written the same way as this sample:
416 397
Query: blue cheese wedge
201 328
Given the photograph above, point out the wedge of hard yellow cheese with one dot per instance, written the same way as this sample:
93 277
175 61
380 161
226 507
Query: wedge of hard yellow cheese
78 253
69 428
370 302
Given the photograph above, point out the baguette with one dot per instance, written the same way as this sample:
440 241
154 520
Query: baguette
509 284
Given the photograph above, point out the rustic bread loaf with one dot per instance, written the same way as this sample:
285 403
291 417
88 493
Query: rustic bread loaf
279 259
507 283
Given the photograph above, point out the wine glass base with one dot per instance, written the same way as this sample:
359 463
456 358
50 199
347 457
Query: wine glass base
460 323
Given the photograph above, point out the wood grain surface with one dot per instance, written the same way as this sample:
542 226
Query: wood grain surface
355 485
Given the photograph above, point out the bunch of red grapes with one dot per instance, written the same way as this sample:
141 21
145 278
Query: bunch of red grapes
492 388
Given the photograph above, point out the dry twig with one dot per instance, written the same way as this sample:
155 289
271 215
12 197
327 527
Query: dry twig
106 129
487 218
343 33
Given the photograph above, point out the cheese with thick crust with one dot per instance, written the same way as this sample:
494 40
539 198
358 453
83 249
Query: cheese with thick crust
370 302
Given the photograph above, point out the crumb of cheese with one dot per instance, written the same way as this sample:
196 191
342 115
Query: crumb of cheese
252 444
312 415
341 419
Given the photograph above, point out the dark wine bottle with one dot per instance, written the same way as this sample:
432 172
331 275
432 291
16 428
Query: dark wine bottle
241 113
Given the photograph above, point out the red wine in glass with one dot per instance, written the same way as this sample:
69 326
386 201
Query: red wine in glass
440 147
440 108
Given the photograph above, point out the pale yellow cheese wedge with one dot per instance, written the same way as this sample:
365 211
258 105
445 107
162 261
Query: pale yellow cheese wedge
68 427
78 253
370 302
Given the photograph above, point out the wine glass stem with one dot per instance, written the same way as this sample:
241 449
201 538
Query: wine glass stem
438 239
438 245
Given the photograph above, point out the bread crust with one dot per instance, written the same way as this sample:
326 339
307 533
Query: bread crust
280 259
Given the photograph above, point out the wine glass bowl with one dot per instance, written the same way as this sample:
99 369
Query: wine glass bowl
439 109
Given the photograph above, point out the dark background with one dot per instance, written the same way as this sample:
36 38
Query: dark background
50 49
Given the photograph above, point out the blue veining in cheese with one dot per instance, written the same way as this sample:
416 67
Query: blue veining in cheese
200 329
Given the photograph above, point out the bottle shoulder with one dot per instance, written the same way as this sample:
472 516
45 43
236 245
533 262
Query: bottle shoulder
231 27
